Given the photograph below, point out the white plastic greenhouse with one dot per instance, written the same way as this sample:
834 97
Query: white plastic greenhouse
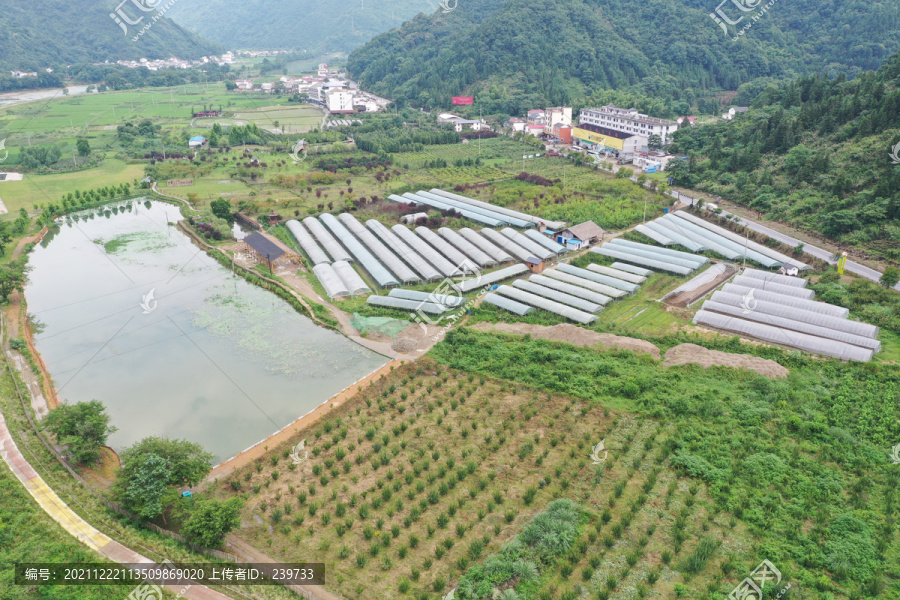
403 304
574 290
486 246
446 268
316 255
402 249
762 284
506 244
579 316
490 278
446 300
618 274
382 252
330 280
625 286
557 225
352 280
508 304
466 247
378 271
533 247
557 296
331 245
600 288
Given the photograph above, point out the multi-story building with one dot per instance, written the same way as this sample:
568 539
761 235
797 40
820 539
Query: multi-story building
628 120
339 101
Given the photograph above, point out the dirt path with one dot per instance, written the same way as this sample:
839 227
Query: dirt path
248 553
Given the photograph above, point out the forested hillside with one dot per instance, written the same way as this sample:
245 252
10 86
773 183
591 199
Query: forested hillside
83 32
529 53
301 24
816 151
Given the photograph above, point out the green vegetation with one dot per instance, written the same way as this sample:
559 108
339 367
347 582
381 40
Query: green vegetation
40 44
268 24
571 52
83 427
153 469
815 151
209 521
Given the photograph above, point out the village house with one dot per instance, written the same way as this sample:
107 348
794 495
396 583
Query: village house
581 235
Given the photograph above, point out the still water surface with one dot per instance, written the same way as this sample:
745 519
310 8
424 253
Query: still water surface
209 358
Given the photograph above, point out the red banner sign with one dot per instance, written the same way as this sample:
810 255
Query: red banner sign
463 99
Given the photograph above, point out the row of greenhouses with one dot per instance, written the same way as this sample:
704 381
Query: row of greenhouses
780 310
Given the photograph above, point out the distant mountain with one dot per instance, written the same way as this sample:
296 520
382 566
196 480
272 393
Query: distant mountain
36 34
299 24
524 53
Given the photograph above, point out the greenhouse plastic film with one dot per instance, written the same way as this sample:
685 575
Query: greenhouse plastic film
762 284
403 250
387 258
435 258
403 304
489 278
466 247
660 227
530 245
503 211
486 246
324 237
330 280
557 296
487 212
544 241
632 269
780 309
656 264
508 304
352 280
654 235
685 256
774 335
776 278
446 206
604 279
585 283
506 244
571 289
378 271
558 308
810 305
652 252
740 249
623 275
446 300
793 325
316 255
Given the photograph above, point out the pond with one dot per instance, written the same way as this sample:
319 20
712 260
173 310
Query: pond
129 312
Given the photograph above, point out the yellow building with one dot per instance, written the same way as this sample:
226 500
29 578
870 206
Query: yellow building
603 138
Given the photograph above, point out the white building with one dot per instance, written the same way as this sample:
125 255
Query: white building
560 114
339 101
628 120
733 111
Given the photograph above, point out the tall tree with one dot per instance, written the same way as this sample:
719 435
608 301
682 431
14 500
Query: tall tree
83 427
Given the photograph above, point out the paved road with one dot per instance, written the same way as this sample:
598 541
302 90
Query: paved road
853 267
69 520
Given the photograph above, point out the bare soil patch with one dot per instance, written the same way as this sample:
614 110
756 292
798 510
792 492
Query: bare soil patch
698 355
572 334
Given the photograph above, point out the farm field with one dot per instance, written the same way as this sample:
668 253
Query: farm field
433 470
41 189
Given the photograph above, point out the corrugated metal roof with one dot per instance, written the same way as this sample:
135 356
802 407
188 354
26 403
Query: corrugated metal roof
263 246
352 280
377 270
316 255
